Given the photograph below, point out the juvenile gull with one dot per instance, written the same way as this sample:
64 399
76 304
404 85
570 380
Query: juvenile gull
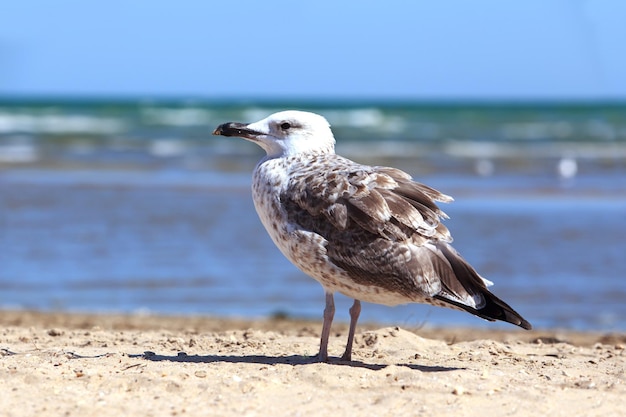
368 232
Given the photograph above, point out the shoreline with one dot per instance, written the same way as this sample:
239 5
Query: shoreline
201 323
114 364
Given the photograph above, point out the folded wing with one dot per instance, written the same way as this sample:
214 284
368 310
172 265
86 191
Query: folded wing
385 230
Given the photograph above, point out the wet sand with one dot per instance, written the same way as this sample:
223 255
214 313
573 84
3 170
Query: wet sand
112 365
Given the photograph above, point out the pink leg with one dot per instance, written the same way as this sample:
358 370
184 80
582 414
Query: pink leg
355 310
329 313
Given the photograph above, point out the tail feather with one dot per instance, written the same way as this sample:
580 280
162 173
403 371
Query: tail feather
464 284
494 309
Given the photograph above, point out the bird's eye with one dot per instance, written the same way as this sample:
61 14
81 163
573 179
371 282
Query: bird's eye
285 126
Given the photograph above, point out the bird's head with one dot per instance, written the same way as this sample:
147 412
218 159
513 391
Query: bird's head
287 133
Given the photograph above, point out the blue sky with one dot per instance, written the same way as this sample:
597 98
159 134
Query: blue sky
480 49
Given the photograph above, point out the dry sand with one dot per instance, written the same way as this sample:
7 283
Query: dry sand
109 365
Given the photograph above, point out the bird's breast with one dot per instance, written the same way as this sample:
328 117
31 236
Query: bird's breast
268 182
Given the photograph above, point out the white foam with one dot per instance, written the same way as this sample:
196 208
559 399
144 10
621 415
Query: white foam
58 124
177 117
18 153
537 130
167 148
601 130
358 118
484 167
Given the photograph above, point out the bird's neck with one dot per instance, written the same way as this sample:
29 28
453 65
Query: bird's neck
299 155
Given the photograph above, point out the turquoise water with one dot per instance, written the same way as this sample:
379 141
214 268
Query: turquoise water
126 206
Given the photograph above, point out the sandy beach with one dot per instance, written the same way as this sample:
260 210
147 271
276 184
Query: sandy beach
112 365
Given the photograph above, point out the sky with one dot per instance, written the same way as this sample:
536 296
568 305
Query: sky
392 49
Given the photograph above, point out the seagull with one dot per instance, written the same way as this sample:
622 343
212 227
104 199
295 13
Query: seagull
371 233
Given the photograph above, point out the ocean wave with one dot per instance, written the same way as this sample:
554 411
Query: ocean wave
562 130
18 152
178 134
481 149
167 148
59 124
192 116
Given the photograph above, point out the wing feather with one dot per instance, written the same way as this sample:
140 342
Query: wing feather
381 200
375 221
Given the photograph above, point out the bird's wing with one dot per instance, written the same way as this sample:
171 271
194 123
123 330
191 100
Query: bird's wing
351 198
380 226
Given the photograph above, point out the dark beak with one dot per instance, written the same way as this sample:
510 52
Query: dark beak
236 129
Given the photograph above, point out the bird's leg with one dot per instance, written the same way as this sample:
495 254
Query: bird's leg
355 310
329 313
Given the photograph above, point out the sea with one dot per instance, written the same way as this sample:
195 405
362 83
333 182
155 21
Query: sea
132 206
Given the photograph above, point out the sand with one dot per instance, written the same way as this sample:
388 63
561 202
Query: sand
115 365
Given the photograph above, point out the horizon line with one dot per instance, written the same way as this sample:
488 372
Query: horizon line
310 101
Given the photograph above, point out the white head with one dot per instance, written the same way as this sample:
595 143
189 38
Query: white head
287 133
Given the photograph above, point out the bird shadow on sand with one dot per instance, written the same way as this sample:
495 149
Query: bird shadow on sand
281 360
